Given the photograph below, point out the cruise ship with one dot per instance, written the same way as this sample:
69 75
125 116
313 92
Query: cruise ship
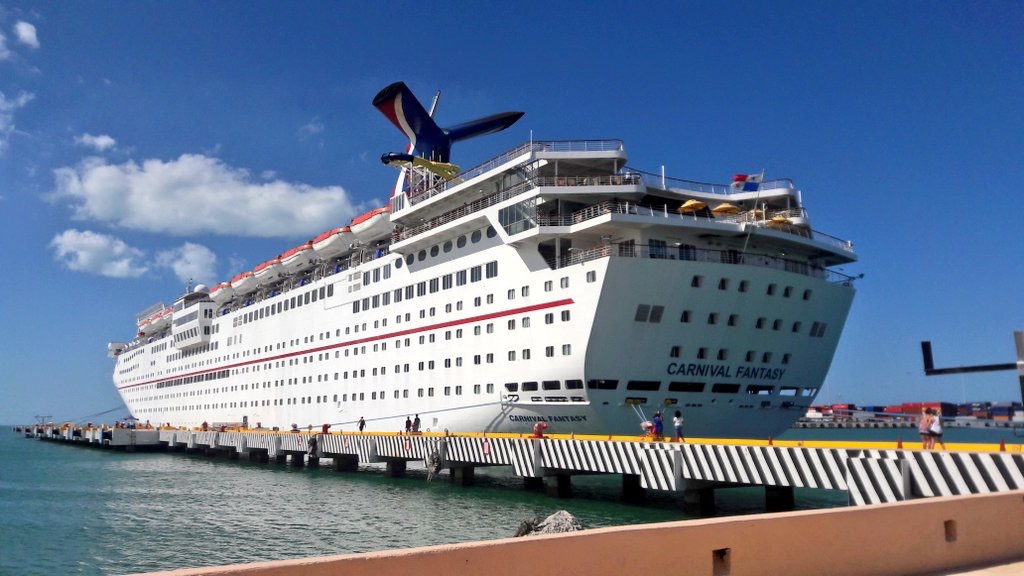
552 283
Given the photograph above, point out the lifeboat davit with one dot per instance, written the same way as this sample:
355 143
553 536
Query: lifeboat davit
268 271
373 225
298 258
222 292
333 243
244 282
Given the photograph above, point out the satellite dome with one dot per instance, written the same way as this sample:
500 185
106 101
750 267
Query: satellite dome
200 289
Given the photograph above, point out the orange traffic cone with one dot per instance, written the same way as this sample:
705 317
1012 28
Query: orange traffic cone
899 444
770 441
1002 445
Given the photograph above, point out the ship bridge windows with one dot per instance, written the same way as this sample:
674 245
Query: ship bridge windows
721 388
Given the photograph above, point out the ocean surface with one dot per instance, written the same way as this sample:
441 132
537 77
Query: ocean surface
67 509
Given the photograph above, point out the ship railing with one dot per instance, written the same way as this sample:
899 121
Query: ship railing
670 211
669 183
506 156
515 190
688 253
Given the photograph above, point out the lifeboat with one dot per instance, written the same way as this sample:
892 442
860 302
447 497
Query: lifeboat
268 271
244 282
372 225
160 320
333 243
298 258
222 292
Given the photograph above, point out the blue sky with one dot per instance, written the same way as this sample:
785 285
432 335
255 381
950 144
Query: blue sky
146 143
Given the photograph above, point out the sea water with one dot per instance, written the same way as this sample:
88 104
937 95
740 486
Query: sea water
69 509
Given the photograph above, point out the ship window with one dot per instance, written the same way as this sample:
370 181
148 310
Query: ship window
725 388
511 355
685 316
787 292
760 389
697 281
446 282
591 276
787 391
430 392
434 251
685 386
702 353
723 354
807 294
749 357
723 284
785 358
675 352
511 294
460 278
526 353
448 246
732 320
551 385
744 285
549 351
549 286
492 269
529 386
549 318
656 313
713 318
409 259
564 282
771 289
602 384
422 255
766 357
574 384
642 313
475 274
475 236
398 262
760 322
491 232
776 324
461 242
643 385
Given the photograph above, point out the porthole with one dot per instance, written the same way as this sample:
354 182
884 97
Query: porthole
461 242
491 232
398 263
434 250
448 246
409 259
422 255
475 237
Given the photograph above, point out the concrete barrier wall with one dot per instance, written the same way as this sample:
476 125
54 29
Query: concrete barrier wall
914 537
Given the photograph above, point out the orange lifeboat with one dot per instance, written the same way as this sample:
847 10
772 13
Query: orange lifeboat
372 225
333 243
298 258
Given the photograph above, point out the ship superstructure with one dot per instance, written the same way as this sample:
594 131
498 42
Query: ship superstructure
552 283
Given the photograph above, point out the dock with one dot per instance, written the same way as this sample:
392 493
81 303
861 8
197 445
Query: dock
869 472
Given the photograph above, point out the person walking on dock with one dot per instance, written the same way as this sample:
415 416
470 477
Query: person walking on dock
416 424
658 426
362 424
677 423
408 425
935 430
924 427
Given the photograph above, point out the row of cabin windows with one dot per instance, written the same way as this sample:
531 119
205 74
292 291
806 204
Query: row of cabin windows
703 353
424 287
699 387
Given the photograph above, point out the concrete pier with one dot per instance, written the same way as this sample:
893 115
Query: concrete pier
869 473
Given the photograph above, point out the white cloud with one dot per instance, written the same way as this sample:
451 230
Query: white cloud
197 194
7 110
97 254
26 34
190 262
4 52
99 143
314 127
